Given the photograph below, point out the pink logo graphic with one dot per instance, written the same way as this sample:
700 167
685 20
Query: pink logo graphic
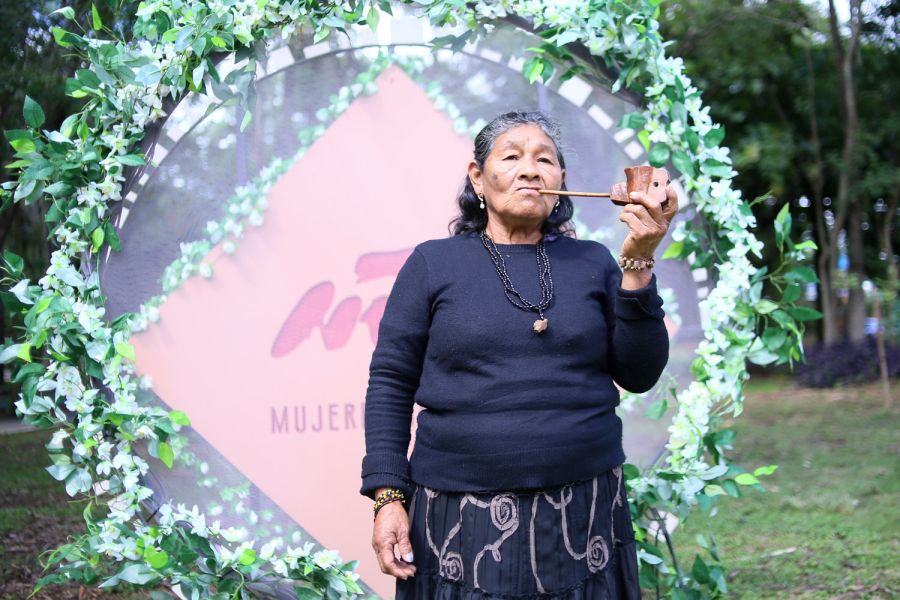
310 312
270 356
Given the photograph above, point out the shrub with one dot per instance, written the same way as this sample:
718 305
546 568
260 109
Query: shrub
845 362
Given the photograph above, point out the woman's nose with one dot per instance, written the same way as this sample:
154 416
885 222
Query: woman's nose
528 168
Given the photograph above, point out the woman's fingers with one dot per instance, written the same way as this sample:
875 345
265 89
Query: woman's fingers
652 206
405 547
391 541
672 206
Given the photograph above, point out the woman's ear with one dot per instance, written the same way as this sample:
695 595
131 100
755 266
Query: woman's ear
563 181
475 177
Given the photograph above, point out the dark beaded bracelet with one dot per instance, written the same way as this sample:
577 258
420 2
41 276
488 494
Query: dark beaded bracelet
386 497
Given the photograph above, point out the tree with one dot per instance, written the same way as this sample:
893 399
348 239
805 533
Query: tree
807 108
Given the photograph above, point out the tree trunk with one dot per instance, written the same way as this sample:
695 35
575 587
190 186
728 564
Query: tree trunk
856 305
844 59
814 172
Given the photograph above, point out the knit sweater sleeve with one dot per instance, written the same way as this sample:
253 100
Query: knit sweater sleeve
394 377
638 340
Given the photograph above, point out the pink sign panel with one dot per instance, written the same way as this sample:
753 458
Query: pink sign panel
270 356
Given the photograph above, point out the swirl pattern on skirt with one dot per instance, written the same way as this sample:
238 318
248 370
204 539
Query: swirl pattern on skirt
558 543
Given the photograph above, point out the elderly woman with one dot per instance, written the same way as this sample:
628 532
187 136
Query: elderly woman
512 335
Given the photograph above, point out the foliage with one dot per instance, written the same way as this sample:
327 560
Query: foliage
779 99
68 352
846 363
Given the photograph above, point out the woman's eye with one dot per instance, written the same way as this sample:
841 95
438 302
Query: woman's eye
511 156
546 160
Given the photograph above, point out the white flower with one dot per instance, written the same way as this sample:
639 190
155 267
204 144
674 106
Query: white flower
56 442
326 559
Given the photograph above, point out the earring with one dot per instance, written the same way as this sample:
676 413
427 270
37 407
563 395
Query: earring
481 197
555 206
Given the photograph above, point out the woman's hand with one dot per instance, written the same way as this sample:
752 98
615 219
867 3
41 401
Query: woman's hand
648 221
390 539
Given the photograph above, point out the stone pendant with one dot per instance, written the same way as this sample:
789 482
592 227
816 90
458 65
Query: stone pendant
540 325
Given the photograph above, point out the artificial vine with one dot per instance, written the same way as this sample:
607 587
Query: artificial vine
68 351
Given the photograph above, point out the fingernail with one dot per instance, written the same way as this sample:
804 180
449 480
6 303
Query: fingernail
633 195
408 557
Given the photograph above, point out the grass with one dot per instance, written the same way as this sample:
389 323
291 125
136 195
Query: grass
37 515
827 526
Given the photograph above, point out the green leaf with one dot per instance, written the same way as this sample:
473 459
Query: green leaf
372 18
633 120
95 17
804 313
762 357
42 304
79 481
97 238
156 558
657 409
533 68
61 471
179 418
24 352
321 34
715 168
746 479
802 274
714 490
111 236
34 114
683 163
132 160
674 250
766 470
659 155
248 556
23 145
66 11
764 306
248 116
13 263
136 574
791 292
700 572
731 488
714 137
166 455
693 139
64 38
643 137
631 471
305 593
218 42
125 349
773 338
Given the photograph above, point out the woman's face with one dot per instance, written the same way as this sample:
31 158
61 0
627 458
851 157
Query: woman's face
522 161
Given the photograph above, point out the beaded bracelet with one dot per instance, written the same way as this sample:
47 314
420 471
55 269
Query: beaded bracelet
386 497
636 264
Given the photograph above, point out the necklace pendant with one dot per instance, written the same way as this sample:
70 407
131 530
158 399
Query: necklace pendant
540 325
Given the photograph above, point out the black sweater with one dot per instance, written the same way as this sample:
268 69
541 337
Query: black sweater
506 408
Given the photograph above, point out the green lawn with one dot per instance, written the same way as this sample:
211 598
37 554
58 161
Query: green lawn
828 526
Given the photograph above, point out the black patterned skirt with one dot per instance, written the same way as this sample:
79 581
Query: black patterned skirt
573 542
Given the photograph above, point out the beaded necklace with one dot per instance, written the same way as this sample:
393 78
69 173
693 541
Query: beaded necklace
544 279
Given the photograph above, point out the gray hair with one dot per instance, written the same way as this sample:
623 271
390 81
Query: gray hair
487 137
